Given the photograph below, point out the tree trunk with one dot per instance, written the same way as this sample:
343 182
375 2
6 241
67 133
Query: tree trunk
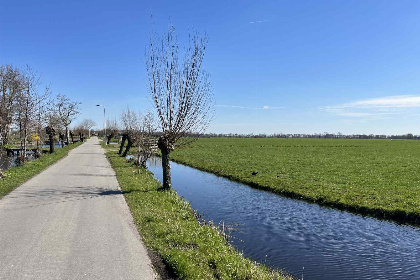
166 146
127 149
61 138
108 139
5 133
67 135
24 145
51 137
124 137
166 167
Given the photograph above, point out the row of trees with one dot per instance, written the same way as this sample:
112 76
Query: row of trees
180 91
26 109
84 127
138 131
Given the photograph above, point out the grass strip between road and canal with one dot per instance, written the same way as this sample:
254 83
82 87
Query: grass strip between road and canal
168 226
16 176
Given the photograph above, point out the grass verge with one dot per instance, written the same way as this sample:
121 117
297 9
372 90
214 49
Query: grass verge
168 226
379 178
18 175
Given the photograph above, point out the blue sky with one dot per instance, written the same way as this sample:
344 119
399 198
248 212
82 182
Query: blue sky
275 66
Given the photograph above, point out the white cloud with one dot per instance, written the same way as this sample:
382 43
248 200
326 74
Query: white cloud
271 108
252 108
356 114
259 21
375 108
401 101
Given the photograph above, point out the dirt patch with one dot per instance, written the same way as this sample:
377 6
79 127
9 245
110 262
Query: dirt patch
161 268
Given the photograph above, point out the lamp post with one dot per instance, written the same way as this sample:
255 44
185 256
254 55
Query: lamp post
104 123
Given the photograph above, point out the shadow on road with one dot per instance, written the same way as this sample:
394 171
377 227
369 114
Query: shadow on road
54 195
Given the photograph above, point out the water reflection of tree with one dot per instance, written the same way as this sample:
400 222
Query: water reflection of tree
5 161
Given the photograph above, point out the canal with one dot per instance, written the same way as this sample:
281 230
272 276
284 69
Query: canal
304 239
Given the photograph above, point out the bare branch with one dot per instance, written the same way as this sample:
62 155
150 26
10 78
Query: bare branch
181 92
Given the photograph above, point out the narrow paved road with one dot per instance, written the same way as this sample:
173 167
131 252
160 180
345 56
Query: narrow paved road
71 222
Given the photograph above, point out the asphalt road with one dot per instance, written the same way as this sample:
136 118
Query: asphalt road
71 222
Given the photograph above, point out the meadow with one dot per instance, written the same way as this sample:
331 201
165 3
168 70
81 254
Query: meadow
375 177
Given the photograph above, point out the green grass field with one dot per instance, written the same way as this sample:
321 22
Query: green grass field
375 177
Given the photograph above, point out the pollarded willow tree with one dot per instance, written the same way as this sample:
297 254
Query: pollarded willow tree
180 90
130 124
67 111
112 128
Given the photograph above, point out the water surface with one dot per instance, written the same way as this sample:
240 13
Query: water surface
299 237
7 162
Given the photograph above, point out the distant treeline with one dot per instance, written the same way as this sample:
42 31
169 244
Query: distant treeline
316 135
290 135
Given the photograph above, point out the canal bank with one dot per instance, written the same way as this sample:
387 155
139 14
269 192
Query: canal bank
302 238
169 227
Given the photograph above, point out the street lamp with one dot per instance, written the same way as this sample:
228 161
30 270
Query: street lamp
104 122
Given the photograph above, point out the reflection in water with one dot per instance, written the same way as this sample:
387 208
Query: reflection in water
56 145
7 162
299 237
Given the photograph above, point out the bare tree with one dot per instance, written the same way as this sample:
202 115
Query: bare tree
145 141
41 115
130 121
67 111
83 129
54 126
112 128
30 103
138 129
87 124
10 87
181 92
51 134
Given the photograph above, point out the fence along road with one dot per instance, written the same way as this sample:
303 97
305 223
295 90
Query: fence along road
71 222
